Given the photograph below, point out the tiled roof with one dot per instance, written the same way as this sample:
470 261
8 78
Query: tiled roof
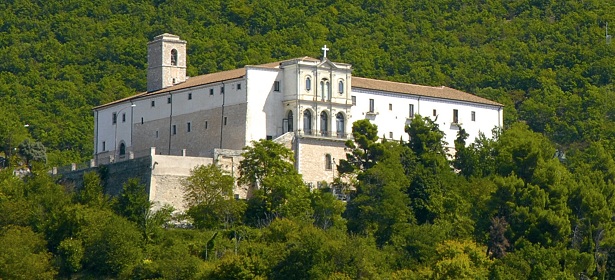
357 82
436 92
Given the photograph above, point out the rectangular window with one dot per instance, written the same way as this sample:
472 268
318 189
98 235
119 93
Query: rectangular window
473 116
276 86
224 120
114 118
211 91
222 90
269 137
104 146
371 105
153 103
390 107
188 127
123 117
391 135
205 124
168 100
174 132
238 86
411 111
455 116
354 100
156 133
434 112
189 96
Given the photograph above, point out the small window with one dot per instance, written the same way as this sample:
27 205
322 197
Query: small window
411 111
391 135
188 127
269 137
371 105
104 146
473 116
455 116
153 103
114 118
276 86
341 87
390 107
174 57
211 91
224 120
189 96
238 86
328 162
174 132
354 100
222 90
434 112
308 84
157 134
168 100
236 196
205 124
123 117
141 120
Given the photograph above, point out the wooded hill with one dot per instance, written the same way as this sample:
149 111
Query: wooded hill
535 202
547 61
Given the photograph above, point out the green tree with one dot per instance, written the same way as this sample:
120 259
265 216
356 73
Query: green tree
208 193
279 189
365 149
24 255
32 151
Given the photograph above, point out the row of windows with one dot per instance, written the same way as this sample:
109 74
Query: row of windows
411 110
189 127
323 83
324 123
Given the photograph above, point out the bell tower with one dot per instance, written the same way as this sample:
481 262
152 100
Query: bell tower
166 61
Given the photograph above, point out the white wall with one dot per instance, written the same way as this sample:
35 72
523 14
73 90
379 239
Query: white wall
108 132
396 117
265 110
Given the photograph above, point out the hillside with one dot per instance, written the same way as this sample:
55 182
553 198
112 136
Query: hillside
548 63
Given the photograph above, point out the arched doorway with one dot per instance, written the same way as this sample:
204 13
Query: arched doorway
324 123
340 126
307 122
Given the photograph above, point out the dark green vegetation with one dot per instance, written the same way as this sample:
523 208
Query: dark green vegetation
509 210
547 61
512 211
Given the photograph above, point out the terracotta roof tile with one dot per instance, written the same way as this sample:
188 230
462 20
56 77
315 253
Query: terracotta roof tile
357 82
436 92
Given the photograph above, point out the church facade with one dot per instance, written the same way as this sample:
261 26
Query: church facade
309 104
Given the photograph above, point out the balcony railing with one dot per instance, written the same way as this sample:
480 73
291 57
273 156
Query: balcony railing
324 134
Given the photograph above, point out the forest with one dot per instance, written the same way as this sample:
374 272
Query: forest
535 202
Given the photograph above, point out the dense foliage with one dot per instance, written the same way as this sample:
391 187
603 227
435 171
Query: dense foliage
534 202
548 61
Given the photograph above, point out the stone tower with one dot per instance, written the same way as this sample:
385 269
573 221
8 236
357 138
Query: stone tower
166 61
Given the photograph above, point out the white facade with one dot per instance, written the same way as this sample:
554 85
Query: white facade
315 99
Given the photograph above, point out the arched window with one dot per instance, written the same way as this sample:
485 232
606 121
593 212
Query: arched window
322 90
122 149
307 122
290 120
328 162
341 87
308 84
324 121
174 57
328 90
339 124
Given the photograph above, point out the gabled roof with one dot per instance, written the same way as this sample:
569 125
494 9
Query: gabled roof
428 91
357 82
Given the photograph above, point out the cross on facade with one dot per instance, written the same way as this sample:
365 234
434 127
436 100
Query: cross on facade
325 49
